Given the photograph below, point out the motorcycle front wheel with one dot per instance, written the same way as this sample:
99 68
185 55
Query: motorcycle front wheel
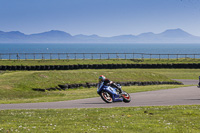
126 97
106 97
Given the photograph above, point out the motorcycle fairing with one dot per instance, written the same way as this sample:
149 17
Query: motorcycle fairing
110 90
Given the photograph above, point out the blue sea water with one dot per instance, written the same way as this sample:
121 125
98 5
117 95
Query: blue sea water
99 48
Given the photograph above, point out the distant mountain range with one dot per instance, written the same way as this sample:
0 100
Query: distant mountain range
55 36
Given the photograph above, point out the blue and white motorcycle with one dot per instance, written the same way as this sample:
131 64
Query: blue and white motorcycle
110 94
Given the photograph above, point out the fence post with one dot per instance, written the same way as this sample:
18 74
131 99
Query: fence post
17 56
117 56
67 56
42 56
50 56
177 57
92 56
83 56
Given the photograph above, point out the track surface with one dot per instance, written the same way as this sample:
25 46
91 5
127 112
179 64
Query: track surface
179 96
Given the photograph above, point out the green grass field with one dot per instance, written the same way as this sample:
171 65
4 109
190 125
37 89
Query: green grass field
96 61
16 86
23 80
15 96
167 119
178 73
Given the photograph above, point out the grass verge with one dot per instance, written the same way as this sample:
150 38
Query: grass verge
71 94
17 86
177 73
173 119
24 80
96 61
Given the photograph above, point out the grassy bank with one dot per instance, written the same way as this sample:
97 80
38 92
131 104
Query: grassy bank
177 73
16 86
96 61
173 119
16 96
22 80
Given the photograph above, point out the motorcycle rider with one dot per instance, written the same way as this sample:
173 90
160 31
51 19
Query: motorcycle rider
103 80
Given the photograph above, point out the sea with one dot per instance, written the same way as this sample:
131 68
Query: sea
93 50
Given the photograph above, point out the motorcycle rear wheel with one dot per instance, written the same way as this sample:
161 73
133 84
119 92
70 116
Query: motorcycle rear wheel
106 97
126 97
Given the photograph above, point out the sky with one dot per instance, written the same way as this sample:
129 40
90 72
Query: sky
105 18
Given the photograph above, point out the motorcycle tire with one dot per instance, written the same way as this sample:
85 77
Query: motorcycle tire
106 97
126 97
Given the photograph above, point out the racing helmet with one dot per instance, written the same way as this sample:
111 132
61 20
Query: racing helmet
102 78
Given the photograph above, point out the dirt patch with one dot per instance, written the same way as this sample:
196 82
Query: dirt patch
43 76
7 87
2 72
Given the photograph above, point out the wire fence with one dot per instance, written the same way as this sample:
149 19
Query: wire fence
83 56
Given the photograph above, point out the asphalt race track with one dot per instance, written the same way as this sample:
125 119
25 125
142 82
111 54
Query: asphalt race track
179 96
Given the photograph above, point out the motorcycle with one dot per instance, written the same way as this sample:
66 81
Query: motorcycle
110 94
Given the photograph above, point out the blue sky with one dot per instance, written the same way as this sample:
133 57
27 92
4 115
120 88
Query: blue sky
102 17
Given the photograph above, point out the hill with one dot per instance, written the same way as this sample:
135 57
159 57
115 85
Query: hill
56 36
